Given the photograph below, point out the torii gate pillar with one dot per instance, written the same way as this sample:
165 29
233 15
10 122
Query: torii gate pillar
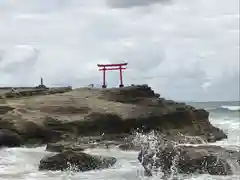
109 67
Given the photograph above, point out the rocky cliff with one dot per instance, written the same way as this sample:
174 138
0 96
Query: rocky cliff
106 113
19 92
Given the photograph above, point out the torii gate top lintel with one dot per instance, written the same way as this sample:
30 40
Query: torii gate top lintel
110 65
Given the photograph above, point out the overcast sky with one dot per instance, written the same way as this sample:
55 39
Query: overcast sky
184 49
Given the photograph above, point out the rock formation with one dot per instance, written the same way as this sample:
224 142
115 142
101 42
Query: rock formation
94 112
9 138
63 146
213 160
26 92
70 121
76 161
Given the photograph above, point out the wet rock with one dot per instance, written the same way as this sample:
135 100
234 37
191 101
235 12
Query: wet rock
213 160
63 146
9 138
215 134
76 161
182 139
129 146
103 141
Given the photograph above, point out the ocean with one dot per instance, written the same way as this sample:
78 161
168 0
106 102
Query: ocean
22 163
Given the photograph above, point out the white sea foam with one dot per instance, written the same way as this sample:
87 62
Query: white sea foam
231 108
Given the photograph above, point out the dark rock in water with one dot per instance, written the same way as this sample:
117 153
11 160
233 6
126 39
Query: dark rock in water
76 161
129 146
9 138
213 160
216 134
62 146
86 142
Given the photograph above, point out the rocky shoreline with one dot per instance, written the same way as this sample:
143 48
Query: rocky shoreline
71 121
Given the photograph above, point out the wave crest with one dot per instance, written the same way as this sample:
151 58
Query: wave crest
231 108
225 109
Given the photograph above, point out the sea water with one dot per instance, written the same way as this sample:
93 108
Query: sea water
22 163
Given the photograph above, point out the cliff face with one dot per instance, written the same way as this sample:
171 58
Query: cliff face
86 111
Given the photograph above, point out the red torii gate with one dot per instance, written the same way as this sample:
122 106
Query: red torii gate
109 67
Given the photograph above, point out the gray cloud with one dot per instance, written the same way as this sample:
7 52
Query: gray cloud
186 50
132 3
1 55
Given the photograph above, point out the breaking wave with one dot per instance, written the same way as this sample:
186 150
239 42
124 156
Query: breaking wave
225 109
231 108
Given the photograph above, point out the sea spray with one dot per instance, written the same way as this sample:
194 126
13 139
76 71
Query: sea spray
153 143
235 166
149 142
174 170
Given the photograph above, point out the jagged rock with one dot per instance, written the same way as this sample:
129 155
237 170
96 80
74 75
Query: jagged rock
215 134
77 161
131 94
213 160
9 138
